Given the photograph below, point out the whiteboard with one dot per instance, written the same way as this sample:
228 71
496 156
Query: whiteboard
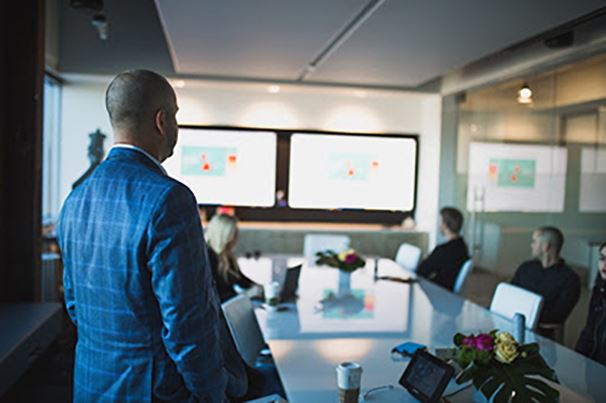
592 193
515 177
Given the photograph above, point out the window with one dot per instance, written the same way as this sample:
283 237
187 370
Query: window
51 150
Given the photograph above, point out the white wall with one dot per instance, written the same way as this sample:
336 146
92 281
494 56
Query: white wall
294 107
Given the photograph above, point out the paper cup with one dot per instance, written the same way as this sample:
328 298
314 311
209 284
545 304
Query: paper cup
271 291
349 375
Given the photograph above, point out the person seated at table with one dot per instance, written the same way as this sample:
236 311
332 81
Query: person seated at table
221 237
592 342
442 266
548 275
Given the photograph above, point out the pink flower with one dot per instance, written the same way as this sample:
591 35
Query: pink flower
350 258
484 342
469 341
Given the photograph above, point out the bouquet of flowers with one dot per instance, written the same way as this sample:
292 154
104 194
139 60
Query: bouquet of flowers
497 365
347 261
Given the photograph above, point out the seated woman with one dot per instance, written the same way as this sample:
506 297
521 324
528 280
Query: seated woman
221 237
592 342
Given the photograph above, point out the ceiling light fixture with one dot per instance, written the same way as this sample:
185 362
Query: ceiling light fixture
525 94
178 83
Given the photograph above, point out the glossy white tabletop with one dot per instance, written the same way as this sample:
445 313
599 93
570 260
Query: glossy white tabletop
311 338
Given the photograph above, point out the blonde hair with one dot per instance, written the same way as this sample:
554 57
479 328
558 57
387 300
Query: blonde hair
220 232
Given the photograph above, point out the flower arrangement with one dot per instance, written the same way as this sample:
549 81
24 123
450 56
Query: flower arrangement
347 261
497 365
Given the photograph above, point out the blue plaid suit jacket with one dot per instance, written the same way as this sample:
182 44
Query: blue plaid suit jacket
139 288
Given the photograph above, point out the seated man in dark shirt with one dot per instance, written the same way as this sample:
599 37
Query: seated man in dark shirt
444 263
548 275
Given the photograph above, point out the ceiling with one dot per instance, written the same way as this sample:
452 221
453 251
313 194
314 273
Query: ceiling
386 43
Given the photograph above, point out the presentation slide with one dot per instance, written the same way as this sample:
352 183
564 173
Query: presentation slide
226 167
352 172
512 177
592 194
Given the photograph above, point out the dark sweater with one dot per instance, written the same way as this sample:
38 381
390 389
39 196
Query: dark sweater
444 263
225 287
558 284
592 342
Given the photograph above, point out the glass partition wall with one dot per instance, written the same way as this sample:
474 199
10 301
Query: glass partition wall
532 152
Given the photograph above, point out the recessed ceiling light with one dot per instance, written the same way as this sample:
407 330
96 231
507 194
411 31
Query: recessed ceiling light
273 89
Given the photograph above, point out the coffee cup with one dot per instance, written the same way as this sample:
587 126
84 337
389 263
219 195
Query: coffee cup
349 375
271 291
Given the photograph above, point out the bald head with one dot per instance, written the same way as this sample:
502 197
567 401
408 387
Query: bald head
553 237
134 96
142 108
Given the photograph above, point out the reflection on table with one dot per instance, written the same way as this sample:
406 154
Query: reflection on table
363 319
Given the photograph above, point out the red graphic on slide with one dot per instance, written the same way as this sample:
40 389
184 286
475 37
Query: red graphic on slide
350 169
232 159
205 163
515 173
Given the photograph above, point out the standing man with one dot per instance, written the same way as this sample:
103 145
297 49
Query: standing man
137 280
549 276
444 263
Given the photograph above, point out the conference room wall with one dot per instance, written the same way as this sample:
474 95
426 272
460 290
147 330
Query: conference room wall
251 105
559 116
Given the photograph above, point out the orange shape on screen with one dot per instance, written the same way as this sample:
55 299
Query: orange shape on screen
232 159
514 178
206 166
375 164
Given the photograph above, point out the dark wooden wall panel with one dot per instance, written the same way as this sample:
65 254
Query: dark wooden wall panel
21 77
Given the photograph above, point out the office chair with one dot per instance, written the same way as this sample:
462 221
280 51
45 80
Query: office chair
408 256
509 299
463 275
244 328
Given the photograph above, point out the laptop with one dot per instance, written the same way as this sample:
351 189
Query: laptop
291 283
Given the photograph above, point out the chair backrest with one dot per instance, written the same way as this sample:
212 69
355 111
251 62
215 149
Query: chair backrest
244 327
462 276
408 256
314 243
509 299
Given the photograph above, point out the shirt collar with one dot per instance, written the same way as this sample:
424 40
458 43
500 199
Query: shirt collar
142 151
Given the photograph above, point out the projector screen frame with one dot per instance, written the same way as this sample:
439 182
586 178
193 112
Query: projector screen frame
287 214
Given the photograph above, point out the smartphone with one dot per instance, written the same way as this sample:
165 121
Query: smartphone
408 348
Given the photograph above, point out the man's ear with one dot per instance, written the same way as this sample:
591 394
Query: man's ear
160 120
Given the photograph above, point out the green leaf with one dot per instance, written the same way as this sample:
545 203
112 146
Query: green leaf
504 394
458 339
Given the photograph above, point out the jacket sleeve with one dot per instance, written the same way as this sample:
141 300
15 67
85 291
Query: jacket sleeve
585 343
182 283
68 290
428 268
68 293
564 304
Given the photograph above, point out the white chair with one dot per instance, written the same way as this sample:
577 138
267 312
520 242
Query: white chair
463 275
314 243
408 256
509 299
244 328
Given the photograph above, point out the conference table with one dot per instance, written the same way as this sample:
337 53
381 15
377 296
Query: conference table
360 317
